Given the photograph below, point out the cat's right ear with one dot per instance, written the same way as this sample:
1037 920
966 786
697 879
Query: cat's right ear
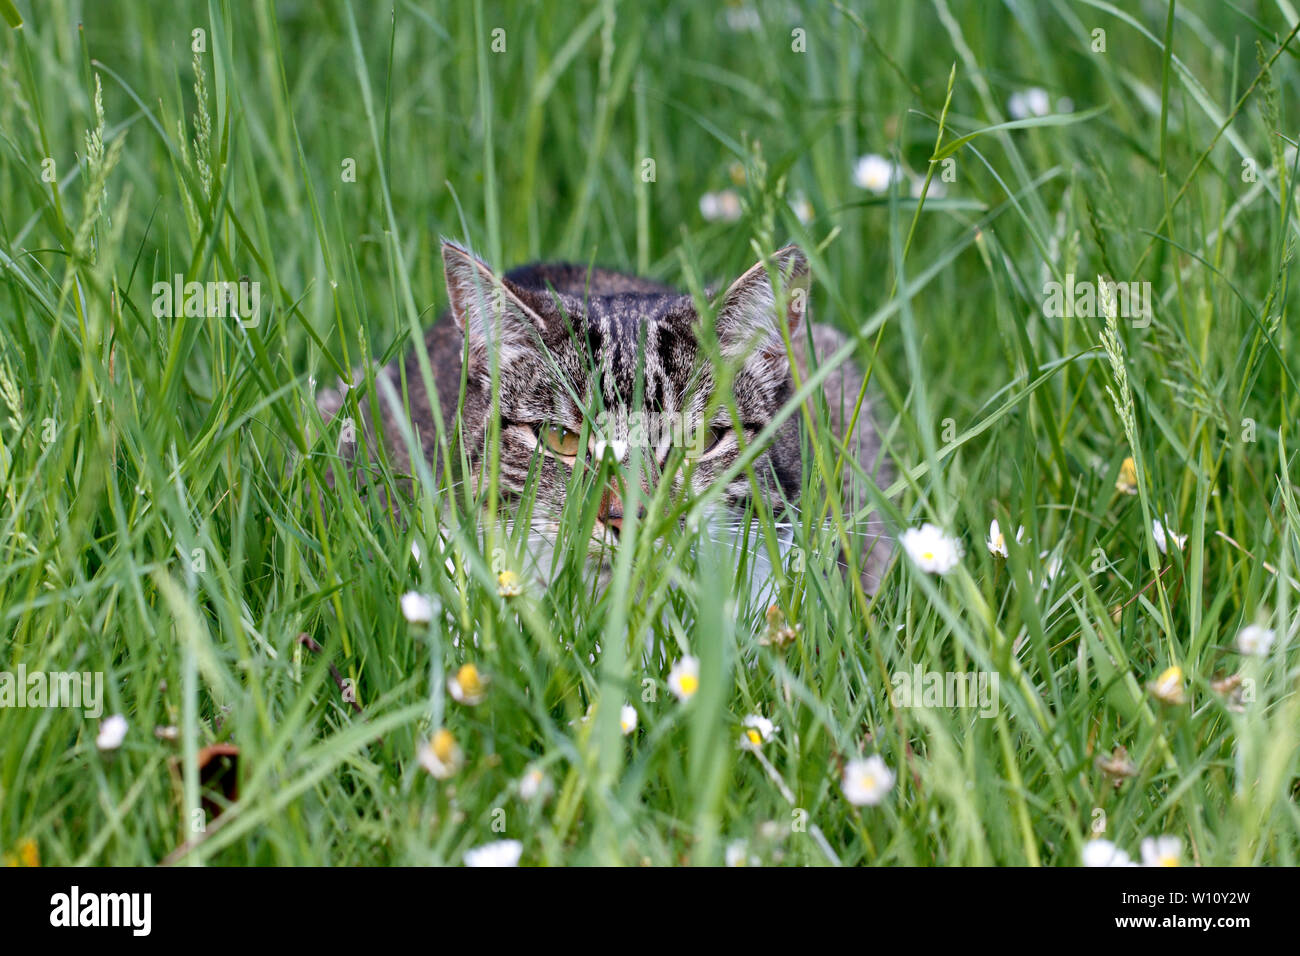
486 309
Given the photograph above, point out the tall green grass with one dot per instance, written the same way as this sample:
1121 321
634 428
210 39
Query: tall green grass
164 519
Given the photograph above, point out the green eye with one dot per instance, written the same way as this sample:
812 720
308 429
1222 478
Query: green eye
559 440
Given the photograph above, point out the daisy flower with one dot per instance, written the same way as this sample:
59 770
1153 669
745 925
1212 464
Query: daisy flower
1031 102
534 784
738 854
874 172
1127 480
1051 569
1104 853
1163 534
627 719
1162 851
866 782
467 686
500 853
721 206
111 733
417 608
997 542
803 209
758 731
931 549
441 756
938 189
742 18
684 678
1254 641
1168 687
509 585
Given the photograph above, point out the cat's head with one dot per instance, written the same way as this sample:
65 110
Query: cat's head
591 364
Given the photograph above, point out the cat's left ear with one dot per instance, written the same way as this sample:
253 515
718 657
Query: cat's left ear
488 309
748 325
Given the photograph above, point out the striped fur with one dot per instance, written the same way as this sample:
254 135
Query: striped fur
574 346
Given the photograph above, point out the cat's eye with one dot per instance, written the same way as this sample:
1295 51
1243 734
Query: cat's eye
715 436
559 439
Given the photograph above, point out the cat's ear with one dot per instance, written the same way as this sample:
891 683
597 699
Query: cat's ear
488 309
748 324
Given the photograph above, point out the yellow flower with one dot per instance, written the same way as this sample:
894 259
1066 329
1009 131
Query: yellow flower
467 685
627 718
508 584
441 756
1168 687
25 854
1162 851
684 678
756 730
1127 482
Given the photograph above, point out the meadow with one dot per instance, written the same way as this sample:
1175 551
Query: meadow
969 180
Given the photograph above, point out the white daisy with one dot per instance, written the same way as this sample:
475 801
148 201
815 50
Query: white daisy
467 686
111 733
1168 687
743 19
866 782
627 719
1104 853
1254 641
1051 569
722 206
441 756
803 209
997 542
684 678
931 549
937 190
1031 102
508 584
758 731
874 172
1162 851
1163 534
534 784
417 608
738 854
500 853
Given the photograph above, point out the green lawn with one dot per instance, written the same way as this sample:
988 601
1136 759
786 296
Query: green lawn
161 523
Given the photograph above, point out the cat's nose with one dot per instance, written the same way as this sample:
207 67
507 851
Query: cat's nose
610 511
614 519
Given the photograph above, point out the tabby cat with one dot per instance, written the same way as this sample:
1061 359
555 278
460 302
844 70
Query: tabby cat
623 356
